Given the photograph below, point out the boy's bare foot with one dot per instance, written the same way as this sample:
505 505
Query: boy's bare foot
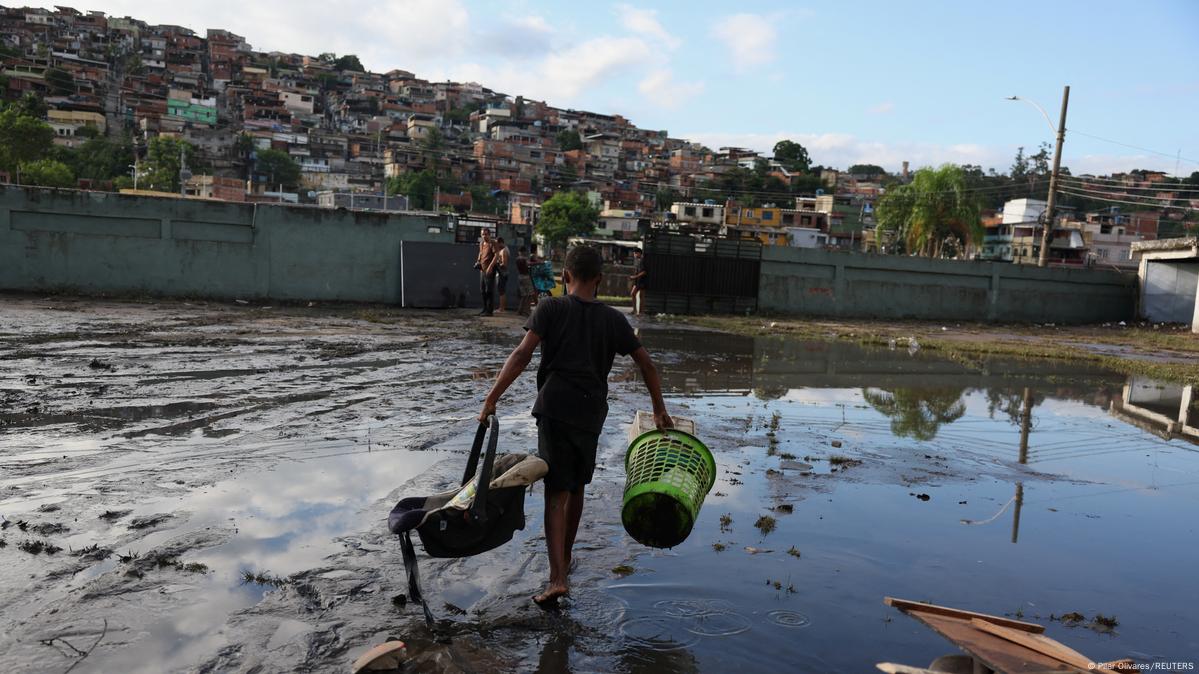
553 592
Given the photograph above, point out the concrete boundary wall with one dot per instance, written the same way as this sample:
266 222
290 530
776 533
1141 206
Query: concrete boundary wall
99 242
854 285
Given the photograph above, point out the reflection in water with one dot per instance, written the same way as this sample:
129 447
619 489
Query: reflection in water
917 413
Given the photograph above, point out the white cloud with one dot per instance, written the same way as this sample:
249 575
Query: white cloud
565 74
882 108
749 38
661 89
645 22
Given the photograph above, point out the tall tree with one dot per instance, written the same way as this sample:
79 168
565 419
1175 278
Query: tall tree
278 167
101 158
23 138
932 209
349 62
569 139
47 173
792 155
419 186
564 215
160 171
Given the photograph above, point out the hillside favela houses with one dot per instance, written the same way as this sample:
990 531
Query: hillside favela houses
203 115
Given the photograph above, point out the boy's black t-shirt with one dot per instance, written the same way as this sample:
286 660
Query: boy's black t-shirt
579 341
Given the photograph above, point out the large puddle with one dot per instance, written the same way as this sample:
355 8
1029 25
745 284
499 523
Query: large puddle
268 448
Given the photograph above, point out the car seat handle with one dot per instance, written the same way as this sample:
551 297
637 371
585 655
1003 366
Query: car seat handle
478 509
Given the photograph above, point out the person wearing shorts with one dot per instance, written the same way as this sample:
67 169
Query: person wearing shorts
501 268
579 338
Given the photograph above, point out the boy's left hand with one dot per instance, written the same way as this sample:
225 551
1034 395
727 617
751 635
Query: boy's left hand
488 410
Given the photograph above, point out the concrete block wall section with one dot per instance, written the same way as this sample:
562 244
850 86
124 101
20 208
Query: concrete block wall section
853 285
97 242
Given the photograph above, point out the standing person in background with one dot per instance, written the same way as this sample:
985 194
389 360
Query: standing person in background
638 279
485 263
524 281
501 267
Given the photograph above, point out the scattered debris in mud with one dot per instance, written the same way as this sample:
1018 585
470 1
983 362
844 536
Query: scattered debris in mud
36 547
843 461
148 521
92 553
757 551
921 496
785 508
265 578
114 515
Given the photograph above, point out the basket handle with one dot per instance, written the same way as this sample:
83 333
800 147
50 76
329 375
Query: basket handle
478 509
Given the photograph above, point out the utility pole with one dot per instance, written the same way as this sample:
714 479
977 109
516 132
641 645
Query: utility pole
1046 232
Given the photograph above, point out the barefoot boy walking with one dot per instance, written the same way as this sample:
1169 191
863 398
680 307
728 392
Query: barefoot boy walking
579 338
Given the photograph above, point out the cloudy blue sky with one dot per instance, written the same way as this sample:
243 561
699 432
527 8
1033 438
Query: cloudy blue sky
876 82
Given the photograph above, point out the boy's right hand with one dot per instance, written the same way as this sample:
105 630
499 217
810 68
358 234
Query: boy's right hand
663 421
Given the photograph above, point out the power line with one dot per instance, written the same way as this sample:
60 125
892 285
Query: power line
1131 203
1109 193
1134 147
1111 183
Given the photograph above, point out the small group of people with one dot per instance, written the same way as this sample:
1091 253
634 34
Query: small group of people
492 263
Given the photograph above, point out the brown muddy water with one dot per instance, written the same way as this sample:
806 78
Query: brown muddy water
171 449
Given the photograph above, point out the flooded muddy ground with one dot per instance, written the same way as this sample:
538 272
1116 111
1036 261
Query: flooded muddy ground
192 486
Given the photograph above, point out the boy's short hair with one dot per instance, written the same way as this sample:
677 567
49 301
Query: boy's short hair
499 239
584 263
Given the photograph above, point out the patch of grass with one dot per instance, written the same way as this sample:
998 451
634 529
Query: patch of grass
1071 618
726 522
128 557
623 570
1107 622
37 547
1024 342
765 524
92 552
616 300
793 551
787 456
264 578
774 421
113 515
843 461
719 547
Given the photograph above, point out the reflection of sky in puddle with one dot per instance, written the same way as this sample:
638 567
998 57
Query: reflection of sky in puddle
1098 519
286 520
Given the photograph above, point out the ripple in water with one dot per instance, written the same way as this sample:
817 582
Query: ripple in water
693 608
718 625
788 618
659 633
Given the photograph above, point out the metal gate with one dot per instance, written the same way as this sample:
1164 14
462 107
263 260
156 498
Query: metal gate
689 276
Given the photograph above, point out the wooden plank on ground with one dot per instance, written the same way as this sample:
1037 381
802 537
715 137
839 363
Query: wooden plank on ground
993 651
1037 642
907 605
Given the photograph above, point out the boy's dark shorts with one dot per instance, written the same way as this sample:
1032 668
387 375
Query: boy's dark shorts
502 286
570 453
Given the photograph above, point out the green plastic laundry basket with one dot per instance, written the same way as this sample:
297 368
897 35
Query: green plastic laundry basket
668 475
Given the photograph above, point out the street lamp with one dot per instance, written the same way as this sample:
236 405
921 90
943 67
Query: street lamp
1060 130
1039 109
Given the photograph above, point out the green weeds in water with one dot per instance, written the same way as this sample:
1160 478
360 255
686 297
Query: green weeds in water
623 570
787 456
793 551
719 547
843 461
264 578
765 524
726 523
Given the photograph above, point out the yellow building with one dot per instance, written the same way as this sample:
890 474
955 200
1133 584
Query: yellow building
66 125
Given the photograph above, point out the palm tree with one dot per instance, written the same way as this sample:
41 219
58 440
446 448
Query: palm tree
933 209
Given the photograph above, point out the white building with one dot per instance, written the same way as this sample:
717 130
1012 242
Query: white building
704 214
805 237
1020 211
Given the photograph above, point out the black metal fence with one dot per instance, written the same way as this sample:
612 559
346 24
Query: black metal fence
688 276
